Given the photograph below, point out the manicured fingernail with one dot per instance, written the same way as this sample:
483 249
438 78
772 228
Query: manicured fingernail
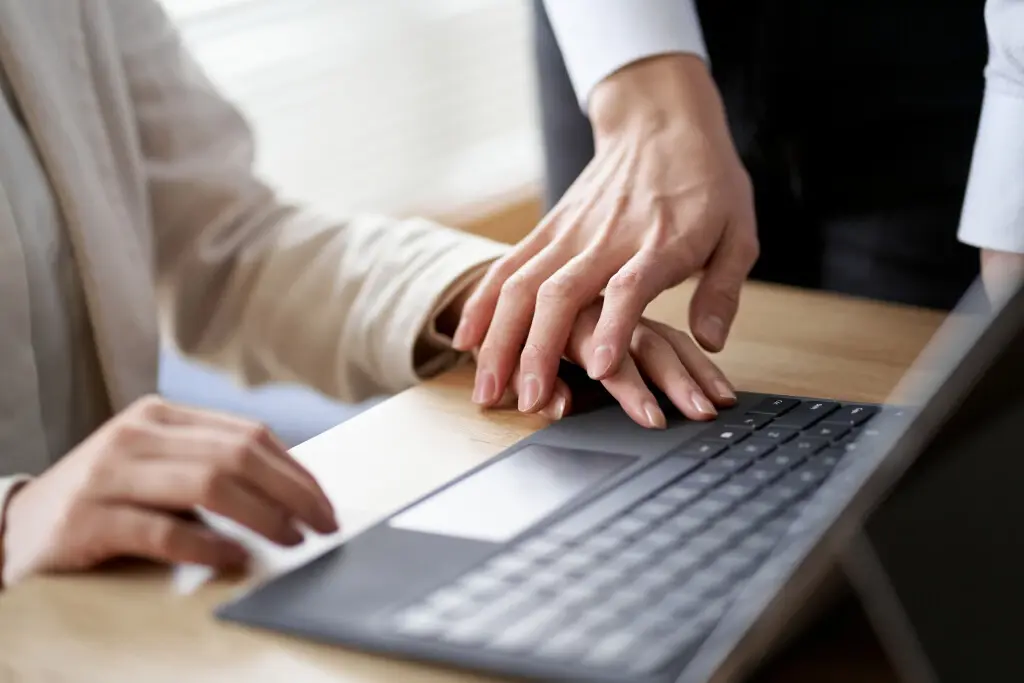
725 391
484 391
601 362
556 410
712 328
529 393
702 405
655 418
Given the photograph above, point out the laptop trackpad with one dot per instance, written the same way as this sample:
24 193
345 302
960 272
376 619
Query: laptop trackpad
504 499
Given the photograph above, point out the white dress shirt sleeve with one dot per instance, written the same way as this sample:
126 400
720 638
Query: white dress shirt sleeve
599 37
993 212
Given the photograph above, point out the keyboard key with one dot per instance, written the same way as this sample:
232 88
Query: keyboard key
706 479
786 459
852 415
828 431
775 406
602 544
537 548
508 565
680 494
628 560
528 631
682 560
627 526
614 649
806 445
802 481
653 510
725 435
755 511
753 448
831 457
568 644
777 435
806 414
748 421
761 474
660 538
734 491
420 623
733 459
702 449
726 466
481 584
685 524
624 496
658 652
708 508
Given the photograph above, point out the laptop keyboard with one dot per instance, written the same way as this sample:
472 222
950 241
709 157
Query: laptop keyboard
638 577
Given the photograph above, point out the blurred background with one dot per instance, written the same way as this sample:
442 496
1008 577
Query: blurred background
401 106
389 106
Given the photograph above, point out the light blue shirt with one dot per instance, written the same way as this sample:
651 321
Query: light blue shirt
599 37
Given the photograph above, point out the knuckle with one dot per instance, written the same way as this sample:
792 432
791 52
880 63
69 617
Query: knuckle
241 457
646 342
533 354
748 249
211 486
127 436
258 432
556 290
516 287
625 282
149 407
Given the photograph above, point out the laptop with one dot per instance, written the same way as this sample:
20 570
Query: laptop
596 551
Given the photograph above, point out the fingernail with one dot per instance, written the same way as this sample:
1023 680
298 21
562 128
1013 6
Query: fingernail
484 391
712 328
655 418
529 393
725 391
601 362
330 520
702 405
556 411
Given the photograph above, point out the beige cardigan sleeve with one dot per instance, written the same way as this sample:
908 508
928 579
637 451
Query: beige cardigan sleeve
264 288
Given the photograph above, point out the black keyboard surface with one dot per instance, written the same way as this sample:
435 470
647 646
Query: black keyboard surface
636 578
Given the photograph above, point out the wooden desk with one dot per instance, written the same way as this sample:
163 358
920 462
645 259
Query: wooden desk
131 627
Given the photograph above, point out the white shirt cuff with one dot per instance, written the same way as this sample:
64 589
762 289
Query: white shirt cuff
599 37
993 212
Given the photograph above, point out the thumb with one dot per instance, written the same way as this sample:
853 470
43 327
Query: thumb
717 297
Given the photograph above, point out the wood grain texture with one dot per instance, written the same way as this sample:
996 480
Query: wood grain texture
127 625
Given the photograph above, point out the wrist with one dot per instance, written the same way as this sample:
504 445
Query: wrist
654 92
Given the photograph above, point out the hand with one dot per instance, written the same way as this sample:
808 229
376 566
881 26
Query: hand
667 357
1000 271
128 490
665 196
